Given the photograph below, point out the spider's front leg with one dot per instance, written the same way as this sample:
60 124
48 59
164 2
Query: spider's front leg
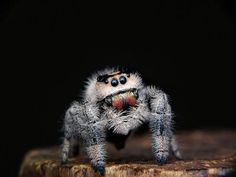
160 124
94 137
95 146
82 122
72 121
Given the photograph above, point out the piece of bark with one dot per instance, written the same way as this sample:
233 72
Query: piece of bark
205 153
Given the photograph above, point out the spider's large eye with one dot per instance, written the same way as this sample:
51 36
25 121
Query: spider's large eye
114 82
122 79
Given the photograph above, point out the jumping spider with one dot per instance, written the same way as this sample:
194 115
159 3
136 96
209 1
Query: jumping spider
117 101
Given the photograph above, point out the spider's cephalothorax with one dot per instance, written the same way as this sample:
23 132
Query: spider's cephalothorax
115 103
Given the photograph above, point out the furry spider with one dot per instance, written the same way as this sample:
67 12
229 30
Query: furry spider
115 102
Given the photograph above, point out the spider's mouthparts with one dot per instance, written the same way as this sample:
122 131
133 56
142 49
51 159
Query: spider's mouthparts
120 101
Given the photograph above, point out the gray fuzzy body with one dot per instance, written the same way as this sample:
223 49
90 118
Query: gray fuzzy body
89 121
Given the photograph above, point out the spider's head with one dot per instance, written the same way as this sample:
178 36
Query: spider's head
114 84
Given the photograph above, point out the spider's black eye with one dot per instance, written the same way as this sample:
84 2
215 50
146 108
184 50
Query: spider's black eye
114 82
122 79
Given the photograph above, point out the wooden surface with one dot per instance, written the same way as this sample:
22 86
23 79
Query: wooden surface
206 153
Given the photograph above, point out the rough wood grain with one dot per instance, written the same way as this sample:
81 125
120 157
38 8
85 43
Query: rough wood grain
206 153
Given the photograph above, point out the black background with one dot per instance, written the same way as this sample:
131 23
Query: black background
185 47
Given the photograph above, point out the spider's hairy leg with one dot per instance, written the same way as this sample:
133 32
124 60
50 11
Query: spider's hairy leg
82 122
72 118
94 136
65 150
175 148
160 124
95 146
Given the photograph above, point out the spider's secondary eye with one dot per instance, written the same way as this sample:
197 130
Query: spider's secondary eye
114 82
122 79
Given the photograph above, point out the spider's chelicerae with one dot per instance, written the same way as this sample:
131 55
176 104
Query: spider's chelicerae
116 102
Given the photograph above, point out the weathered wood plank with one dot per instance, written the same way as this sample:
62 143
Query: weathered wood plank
206 153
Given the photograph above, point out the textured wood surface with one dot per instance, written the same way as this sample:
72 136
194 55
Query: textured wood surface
206 153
